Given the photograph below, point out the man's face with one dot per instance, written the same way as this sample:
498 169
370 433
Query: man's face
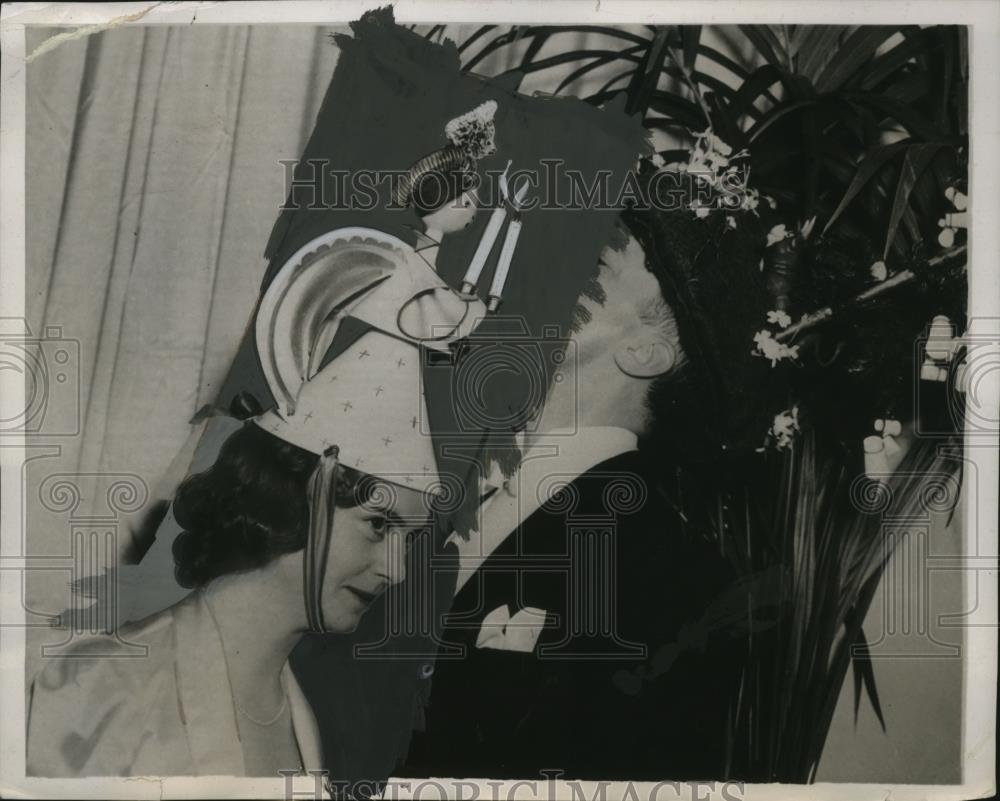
368 551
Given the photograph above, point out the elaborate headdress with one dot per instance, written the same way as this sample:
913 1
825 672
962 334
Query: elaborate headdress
339 333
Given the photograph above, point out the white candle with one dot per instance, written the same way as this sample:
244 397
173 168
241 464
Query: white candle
506 255
483 250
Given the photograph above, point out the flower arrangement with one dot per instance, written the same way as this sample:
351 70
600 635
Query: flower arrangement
856 224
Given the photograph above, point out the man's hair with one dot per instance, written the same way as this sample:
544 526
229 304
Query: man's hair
652 310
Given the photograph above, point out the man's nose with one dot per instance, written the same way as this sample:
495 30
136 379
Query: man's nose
393 566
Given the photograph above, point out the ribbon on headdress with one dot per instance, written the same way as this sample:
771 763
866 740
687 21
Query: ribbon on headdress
322 505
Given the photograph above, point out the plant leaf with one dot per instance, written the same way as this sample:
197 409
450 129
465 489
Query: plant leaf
595 64
864 675
756 85
873 161
645 79
913 121
503 40
479 33
604 89
723 61
817 47
678 108
852 55
572 57
690 36
882 66
537 43
774 115
916 161
767 44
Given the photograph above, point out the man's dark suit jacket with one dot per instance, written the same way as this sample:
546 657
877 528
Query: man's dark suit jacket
629 678
658 713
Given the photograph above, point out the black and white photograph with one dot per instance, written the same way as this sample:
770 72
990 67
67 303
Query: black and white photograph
499 400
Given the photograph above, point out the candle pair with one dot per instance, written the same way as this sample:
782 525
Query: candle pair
489 239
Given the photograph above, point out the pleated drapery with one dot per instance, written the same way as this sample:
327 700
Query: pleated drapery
154 176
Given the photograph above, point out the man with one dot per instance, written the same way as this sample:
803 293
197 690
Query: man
588 630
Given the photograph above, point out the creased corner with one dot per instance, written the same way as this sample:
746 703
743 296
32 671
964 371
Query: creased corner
86 30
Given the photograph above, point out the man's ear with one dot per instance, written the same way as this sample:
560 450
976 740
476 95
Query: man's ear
646 359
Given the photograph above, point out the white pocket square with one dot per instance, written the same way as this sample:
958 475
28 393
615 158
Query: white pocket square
519 633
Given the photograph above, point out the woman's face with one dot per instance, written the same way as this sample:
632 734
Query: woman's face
368 551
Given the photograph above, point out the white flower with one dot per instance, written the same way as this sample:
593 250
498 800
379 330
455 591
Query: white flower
879 271
947 237
771 349
771 201
779 317
776 234
786 426
956 198
716 160
731 222
719 146
751 199
701 212
658 161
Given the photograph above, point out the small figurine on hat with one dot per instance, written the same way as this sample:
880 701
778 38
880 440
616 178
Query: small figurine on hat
439 186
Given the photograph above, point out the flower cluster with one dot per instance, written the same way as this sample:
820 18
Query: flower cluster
785 427
783 430
777 234
711 165
950 223
770 348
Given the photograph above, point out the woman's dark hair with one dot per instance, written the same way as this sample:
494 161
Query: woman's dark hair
248 508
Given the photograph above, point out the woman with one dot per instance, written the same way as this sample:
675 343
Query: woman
279 519
214 694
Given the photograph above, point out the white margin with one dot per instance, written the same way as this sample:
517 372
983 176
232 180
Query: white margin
979 691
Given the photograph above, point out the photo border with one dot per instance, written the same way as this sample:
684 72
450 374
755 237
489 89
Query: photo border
980 669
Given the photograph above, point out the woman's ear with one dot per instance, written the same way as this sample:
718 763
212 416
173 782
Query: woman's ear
647 359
